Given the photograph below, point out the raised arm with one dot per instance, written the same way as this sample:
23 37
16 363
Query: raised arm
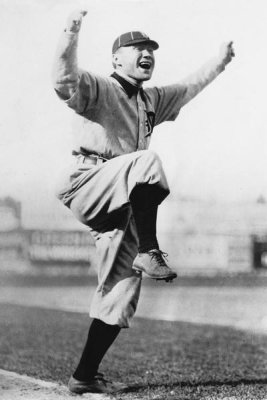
65 68
201 78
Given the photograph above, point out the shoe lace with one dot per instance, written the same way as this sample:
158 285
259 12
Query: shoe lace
159 256
99 376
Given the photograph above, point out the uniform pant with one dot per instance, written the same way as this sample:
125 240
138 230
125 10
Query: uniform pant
98 196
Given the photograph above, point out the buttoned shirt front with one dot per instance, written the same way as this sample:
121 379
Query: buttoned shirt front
115 123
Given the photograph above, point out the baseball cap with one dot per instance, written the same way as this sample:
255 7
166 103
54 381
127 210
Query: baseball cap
132 38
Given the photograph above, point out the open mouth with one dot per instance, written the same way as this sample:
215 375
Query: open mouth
145 64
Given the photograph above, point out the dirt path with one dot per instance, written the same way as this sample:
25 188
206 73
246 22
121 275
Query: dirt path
20 387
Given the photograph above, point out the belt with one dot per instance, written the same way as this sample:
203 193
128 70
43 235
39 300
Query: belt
92 159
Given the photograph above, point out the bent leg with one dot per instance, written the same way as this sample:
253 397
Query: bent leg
144 205
99 197
94 192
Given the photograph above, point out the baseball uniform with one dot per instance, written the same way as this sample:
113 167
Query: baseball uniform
115 121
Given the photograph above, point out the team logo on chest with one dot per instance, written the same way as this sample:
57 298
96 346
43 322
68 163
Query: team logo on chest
150 120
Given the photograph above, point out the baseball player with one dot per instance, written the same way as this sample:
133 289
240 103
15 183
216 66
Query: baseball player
116 184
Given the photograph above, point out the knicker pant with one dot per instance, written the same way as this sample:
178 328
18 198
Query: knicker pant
98 195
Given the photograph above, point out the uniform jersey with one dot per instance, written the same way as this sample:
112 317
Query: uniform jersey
118 121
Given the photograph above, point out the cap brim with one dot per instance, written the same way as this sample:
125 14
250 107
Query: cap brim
152 43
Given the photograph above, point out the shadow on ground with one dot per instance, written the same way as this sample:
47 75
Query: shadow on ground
168 360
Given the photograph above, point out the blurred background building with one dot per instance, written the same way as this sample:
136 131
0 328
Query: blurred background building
201 237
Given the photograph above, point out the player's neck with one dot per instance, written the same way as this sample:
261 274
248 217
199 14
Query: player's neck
128 79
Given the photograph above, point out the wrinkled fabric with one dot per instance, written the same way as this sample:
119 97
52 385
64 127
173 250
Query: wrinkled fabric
116 297
93 192
98 195
112 124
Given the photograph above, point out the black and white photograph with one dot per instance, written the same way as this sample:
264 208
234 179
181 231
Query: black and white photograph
133 200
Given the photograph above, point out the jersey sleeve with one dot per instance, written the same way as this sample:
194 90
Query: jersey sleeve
167 101
88 93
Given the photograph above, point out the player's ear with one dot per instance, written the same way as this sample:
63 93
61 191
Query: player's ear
115 59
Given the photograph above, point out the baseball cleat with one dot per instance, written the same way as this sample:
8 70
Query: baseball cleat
168 280
98 384
153 265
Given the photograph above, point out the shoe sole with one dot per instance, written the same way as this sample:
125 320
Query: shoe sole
95 390
166 278
78 387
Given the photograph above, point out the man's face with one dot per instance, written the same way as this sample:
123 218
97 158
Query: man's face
137 61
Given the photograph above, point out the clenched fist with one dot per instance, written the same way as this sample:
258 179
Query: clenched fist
227 52
75 21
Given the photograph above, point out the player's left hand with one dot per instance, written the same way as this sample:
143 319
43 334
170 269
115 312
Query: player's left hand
227 52
74 21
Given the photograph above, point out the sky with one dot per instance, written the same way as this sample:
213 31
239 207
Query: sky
217 147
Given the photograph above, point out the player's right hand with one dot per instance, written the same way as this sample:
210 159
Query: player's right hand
227 52
74 21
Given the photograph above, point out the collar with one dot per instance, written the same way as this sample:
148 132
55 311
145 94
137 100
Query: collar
129 88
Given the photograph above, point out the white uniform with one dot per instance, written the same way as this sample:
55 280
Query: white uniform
116 122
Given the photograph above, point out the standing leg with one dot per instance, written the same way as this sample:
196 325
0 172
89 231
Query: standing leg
100 338
114 302
86 377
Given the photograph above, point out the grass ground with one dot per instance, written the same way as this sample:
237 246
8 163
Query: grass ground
65 278
159 360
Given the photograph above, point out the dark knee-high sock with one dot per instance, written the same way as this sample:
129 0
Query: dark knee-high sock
100 338
144 205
